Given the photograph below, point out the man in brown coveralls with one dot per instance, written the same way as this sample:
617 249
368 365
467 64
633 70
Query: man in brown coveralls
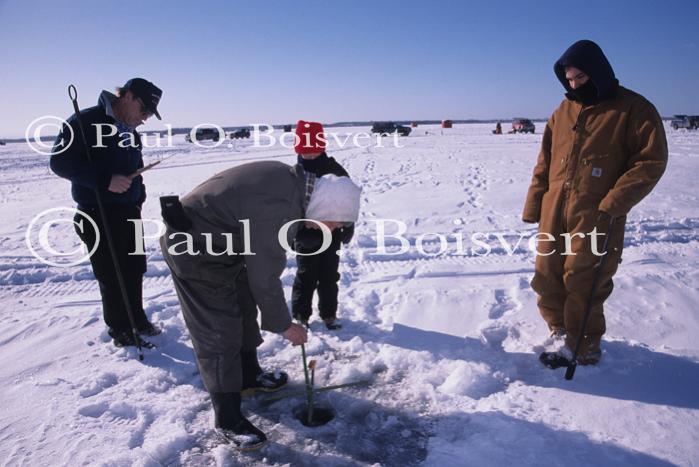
603 151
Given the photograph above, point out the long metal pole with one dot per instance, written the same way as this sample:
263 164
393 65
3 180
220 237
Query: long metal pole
309 386
73 94
570 371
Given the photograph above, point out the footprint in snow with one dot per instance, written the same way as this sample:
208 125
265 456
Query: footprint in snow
93 410
104 381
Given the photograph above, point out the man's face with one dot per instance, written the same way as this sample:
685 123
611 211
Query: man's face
134 111
332 225
575 77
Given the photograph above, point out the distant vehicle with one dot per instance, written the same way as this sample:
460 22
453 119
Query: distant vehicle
522 125
386 128
203 134
241 133
2 143
287 128
690 122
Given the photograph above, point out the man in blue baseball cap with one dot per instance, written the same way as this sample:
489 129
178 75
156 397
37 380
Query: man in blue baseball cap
114 172
145 93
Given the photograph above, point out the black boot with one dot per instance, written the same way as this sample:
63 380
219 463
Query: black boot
126 339
232 426
331 324
560 358
250 364
146 328
254 379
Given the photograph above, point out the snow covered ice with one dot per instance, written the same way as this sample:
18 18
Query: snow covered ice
450 341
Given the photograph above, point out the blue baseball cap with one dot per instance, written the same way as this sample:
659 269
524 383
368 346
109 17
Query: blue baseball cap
148 92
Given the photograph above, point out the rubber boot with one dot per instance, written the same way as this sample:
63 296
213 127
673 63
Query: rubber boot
255 379
232 426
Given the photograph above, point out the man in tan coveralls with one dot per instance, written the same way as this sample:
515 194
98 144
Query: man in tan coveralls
602 152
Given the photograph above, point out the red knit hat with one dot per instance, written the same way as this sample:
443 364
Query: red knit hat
309 138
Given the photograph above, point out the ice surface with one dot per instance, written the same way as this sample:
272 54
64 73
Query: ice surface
449 340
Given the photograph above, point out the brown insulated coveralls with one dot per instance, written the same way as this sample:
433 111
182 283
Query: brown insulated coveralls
605 156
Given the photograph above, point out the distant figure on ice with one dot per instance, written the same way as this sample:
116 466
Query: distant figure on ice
223 248
317 272
112 173
498 129
602 152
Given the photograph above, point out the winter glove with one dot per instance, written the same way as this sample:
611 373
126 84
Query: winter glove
308 240
174 214
346 233
603 222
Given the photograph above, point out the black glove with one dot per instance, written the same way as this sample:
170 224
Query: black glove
603 221
174 214
308 240
346 233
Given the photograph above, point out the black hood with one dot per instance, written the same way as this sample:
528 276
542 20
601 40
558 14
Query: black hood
587 56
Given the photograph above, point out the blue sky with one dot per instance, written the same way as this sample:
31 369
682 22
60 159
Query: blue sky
234 63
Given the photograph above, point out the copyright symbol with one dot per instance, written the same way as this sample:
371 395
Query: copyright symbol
47 238
35 129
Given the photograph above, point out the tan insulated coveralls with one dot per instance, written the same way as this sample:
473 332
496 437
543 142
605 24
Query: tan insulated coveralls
605 157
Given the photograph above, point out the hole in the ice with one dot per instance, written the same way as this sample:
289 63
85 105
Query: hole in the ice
321 415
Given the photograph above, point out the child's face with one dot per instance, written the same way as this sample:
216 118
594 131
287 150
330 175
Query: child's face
312 155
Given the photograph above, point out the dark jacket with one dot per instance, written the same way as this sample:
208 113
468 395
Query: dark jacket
311 239
107 161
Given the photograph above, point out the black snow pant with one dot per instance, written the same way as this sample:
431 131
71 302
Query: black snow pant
220 314
316 272
132 266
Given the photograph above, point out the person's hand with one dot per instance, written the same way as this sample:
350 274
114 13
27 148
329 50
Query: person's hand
308 241
603 222
119 184
296 334
602 217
